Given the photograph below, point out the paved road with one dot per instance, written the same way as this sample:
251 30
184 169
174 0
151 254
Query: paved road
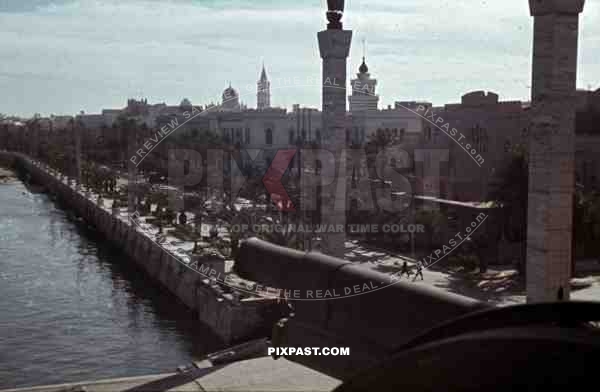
260 374
497 287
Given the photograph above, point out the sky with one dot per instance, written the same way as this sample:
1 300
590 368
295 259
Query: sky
64 56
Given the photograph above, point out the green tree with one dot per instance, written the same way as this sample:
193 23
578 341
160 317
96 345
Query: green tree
432 222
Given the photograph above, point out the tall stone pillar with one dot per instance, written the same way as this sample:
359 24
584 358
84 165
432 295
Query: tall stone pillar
552 149
334 45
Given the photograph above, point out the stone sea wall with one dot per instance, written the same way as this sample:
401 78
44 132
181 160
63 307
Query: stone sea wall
233 318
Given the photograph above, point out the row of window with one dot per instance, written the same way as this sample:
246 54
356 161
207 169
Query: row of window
293 138
479 137
354 135
428 134
391 132
234 135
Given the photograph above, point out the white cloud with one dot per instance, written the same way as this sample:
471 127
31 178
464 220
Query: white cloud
65 56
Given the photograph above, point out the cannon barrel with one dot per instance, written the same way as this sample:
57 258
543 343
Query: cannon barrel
340 304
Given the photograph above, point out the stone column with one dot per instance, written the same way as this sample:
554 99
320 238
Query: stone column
334 45
552 149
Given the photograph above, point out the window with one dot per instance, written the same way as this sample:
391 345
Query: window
247 136
226 137
318 135
479 138
292 136
269 136
485 141
238 135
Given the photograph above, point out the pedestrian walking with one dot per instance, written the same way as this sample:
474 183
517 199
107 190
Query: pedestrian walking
419 271
405 270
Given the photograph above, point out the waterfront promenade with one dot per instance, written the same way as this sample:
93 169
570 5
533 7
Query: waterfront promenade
260 374
234 315
267 373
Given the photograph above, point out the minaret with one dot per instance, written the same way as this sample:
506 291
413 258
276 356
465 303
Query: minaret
363 96
263 94
334 45
552 148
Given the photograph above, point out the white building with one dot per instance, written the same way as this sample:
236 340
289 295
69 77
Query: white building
363 96
268 128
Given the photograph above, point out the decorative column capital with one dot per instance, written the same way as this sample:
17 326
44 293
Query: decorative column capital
547 7
335 43
334 14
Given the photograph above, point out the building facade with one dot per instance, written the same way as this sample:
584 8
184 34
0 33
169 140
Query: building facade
486 131
443 166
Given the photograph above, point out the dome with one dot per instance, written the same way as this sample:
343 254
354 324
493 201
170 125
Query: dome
231 100
229 93
363 67
185 103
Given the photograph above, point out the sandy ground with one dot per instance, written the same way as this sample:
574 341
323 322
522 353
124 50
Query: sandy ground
500 285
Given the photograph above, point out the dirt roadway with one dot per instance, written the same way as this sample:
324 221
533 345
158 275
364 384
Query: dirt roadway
6 176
